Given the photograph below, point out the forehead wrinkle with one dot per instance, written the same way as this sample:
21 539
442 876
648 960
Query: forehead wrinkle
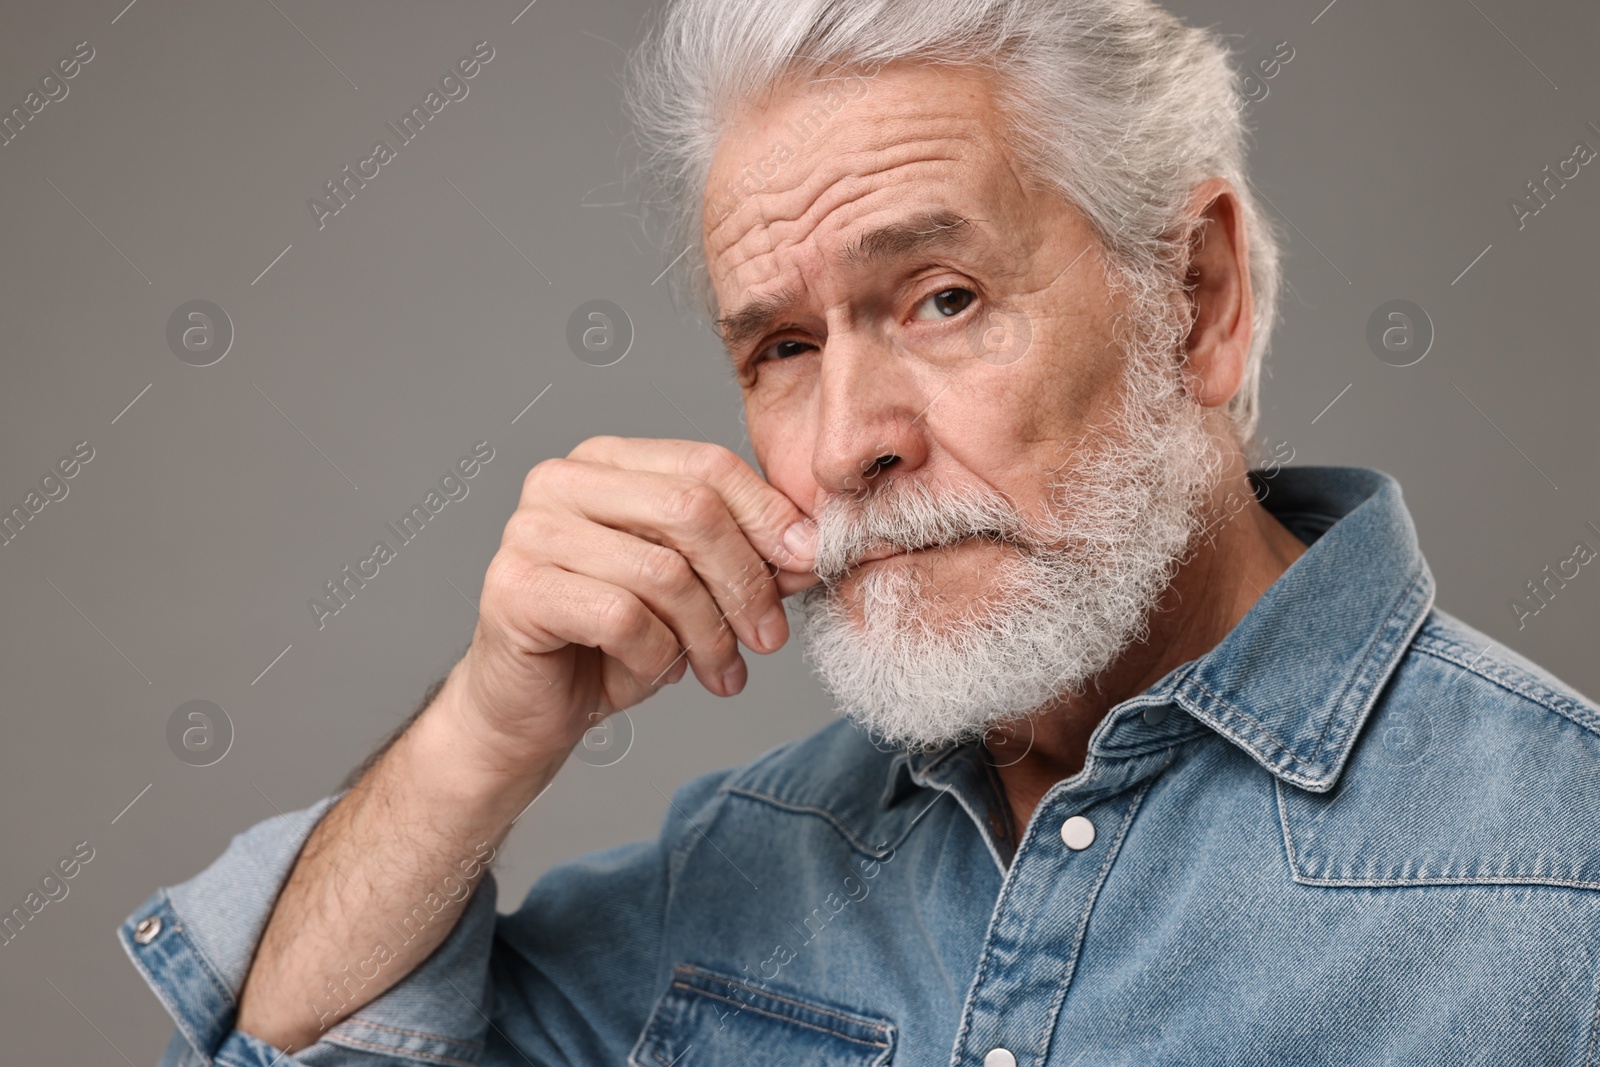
854 161
924 230
852 168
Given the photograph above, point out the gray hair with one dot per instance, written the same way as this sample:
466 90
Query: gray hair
1115 104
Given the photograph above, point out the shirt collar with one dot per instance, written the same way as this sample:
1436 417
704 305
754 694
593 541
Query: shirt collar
1292 683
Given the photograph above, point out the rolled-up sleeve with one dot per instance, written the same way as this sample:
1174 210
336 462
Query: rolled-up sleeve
194 943
568 978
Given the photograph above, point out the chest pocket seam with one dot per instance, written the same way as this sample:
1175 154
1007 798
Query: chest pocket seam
1298 872
690 981
686 987
880 852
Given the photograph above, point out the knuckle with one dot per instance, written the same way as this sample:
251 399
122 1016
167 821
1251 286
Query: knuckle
757 596
661 568
618 613
670 655
707 460
691 504
530 528
739 592
510 576
595 447
778 512
542 473
520 526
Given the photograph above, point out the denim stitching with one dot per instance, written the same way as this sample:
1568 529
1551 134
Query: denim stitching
1402 883
676 858
1006 886
1594 1034
843 1016
979 822
808 809
686 987
1112 851
1301 877
1288 839
415 1033
1176 740
161 995
1268 734
180 927
173 1008
650 1036
1389 638
387 1050
1516 681
661 1020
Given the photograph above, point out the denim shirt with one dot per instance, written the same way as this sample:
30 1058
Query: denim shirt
1354 832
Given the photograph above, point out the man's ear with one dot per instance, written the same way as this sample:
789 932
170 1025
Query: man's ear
1218 285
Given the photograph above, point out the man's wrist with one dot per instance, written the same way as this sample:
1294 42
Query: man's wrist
465 764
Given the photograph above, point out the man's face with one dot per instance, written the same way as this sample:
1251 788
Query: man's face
976 354
891 286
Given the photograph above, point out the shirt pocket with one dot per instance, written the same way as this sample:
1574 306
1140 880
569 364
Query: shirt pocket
707 1019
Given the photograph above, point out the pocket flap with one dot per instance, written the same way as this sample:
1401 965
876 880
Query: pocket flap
707 1019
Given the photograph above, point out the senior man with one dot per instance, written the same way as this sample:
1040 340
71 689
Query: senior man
1148 756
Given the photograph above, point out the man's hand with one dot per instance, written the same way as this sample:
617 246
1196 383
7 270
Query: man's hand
624 565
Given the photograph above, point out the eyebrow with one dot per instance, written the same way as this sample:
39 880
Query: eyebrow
921 233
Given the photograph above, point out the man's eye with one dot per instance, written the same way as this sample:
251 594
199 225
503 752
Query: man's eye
944 304
783 350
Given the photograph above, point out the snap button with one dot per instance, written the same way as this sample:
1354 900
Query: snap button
999 1057
1078 833
1157 715
147 929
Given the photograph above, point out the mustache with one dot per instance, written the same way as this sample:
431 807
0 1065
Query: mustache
905 515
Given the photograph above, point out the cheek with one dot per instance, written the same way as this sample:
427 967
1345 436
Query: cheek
1014 425
783 440
992 435
990 413
1070 376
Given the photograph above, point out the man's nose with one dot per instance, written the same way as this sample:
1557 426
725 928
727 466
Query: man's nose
872 416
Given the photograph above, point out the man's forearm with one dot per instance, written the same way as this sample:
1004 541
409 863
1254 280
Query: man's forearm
416 831
625 565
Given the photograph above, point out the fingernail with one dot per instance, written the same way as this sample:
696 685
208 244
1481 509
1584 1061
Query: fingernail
771 629
733 678
801 539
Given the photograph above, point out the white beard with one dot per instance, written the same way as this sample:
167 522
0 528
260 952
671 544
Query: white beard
1075 589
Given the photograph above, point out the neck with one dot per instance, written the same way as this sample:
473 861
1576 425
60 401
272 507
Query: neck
1213 589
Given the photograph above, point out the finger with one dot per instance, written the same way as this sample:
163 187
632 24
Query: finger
550 607
791 582
761 511
682 514
657 575
622 688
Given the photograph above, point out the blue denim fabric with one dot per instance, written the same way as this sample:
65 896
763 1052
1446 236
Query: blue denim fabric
1355 832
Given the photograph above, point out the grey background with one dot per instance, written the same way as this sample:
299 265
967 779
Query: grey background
378 349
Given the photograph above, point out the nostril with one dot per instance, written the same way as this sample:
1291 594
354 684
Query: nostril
883 462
